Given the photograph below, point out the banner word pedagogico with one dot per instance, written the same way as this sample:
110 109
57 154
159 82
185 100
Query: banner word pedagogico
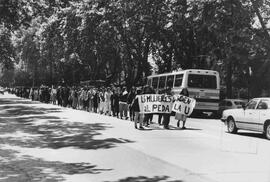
184 105
155 103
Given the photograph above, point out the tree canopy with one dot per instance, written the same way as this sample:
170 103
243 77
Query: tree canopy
123 41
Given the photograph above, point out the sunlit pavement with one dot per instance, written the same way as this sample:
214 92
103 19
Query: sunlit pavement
42 142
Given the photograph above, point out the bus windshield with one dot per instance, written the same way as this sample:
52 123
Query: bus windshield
202 81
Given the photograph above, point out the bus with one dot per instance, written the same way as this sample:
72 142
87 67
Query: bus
96 83
202 85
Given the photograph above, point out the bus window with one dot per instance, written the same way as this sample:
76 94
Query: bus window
162 81
202 81
149 81
170 81
178 80
155 82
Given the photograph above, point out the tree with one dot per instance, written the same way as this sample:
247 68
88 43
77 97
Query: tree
6 49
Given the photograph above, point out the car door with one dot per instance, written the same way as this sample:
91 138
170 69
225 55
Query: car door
263 109
250 114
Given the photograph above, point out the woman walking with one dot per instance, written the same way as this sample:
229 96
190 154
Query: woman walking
136 108
53 95
74 95
181 117
96 100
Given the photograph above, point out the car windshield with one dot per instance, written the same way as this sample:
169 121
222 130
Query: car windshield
240 103
252 104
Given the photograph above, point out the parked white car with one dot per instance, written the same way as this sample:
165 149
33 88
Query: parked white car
254 116
230 104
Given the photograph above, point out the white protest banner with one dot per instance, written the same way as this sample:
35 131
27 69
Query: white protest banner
155 103
184 105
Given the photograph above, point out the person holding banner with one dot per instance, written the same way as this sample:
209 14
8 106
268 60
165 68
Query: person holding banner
115 101
166 116
179 116
160 115
123 106
136 109
149 116
130 98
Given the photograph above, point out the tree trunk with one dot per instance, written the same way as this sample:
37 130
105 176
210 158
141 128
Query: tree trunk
229 79
257 11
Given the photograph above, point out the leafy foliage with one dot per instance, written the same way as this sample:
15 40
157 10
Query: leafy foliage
119 40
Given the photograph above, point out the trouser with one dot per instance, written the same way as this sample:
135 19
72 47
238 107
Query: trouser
91 104
95 109
85 104
59 102
160 119
138 118
123 109
147 118
115 109
108 108
101 107
166 120
131 113
74 103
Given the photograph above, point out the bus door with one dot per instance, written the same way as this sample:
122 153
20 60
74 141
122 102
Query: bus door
178 82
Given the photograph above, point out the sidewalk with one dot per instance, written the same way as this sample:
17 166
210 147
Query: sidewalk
49 143
42 142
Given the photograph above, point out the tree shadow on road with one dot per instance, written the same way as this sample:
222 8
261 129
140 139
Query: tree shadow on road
21 110
29 125
45 131
16 100
147 179
26 168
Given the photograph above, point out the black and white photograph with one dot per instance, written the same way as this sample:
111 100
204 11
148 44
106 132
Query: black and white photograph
134 90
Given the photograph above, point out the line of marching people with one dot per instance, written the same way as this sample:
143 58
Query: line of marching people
111 101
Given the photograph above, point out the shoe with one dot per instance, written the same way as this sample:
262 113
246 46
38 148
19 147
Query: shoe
166 127
183 127
136 127
141 128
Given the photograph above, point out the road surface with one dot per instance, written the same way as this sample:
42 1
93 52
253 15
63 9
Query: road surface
43 142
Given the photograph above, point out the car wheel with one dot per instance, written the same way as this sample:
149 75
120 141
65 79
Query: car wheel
231 125
267 131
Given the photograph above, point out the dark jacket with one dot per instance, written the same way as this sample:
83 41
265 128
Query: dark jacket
131 97
135 105
123 98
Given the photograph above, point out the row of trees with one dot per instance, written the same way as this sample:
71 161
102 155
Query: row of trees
122 41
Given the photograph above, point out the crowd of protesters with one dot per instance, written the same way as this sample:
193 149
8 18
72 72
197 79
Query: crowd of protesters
112 101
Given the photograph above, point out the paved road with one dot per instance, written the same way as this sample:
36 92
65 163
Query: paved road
42 142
